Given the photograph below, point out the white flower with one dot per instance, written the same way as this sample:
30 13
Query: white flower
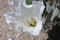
30 19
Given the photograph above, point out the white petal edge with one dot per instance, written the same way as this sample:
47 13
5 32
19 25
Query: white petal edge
10 2
27 6
8 21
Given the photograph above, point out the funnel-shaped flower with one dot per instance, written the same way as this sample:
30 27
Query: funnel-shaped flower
30 19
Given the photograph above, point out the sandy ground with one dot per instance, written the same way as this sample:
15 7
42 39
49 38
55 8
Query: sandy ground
7 32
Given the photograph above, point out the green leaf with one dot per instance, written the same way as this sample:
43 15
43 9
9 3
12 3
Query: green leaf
48 17
28 2
44 13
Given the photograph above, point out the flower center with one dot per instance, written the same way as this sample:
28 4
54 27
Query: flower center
32 23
